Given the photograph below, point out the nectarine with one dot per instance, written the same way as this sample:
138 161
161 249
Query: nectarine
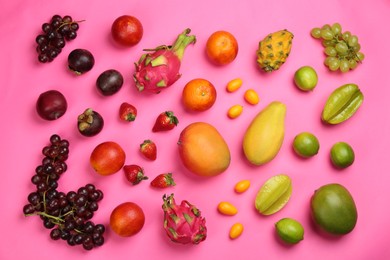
127 219
107 158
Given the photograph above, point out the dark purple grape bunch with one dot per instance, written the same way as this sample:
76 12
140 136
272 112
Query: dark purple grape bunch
68 215
54 36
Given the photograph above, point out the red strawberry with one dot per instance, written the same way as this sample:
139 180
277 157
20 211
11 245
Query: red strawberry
149 149
165 121
134 173
163 180
127 112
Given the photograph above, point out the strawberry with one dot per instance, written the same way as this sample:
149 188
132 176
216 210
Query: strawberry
163 180
149 149
127 112
134 173
165 121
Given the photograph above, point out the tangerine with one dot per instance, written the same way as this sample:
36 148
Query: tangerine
199 95
222 47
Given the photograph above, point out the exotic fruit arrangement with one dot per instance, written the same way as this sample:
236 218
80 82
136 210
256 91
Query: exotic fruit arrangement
183 223
201 148
159 69
274 49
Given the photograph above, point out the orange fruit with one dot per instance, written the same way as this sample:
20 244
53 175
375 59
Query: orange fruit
127 219
199 95
107 158
222 47
203 150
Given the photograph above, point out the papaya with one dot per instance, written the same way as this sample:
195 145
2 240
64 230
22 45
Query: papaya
265 134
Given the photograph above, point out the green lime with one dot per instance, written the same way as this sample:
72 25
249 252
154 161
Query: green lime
306 144
289 230
306 78
342 155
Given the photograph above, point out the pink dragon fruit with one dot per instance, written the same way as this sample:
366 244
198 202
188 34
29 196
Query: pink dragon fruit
160 68
183 223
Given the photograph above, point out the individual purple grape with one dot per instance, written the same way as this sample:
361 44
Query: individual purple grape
55 234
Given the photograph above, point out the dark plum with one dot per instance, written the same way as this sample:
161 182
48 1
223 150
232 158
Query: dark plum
51 105
90 123
109 82
80 61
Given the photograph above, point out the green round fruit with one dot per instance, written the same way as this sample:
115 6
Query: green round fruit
306 78
306 144
342 155
289 230
333 209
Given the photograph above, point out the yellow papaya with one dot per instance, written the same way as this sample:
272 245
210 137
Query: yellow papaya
265 134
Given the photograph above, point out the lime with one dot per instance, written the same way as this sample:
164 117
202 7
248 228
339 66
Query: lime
306 144
306 78
342 155
289 230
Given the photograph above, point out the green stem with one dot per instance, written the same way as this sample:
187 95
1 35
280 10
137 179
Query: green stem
58 220
70 23
182 41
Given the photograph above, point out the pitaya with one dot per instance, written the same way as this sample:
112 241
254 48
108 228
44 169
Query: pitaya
159 69
183 223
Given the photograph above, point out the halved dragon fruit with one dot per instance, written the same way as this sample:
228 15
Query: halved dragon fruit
159 69
183 223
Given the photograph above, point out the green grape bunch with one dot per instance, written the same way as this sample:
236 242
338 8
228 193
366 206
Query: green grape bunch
342 49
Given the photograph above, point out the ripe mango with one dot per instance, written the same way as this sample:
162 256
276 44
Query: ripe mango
203 150
264 136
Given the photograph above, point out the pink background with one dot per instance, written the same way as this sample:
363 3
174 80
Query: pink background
23 133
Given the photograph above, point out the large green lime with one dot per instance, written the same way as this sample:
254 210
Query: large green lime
342 155
306 78
306 144
289 230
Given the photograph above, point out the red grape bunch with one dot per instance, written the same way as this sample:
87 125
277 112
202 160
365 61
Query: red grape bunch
67 215
55 34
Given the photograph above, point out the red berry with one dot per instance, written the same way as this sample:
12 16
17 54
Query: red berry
163 180
134 173
165 121
127 112
149 150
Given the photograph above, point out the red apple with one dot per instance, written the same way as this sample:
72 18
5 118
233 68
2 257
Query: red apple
127 30
127 219
107 158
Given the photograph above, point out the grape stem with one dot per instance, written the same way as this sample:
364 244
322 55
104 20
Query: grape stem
72 22
44 214
350 50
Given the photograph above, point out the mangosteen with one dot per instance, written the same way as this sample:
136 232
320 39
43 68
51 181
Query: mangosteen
90 123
